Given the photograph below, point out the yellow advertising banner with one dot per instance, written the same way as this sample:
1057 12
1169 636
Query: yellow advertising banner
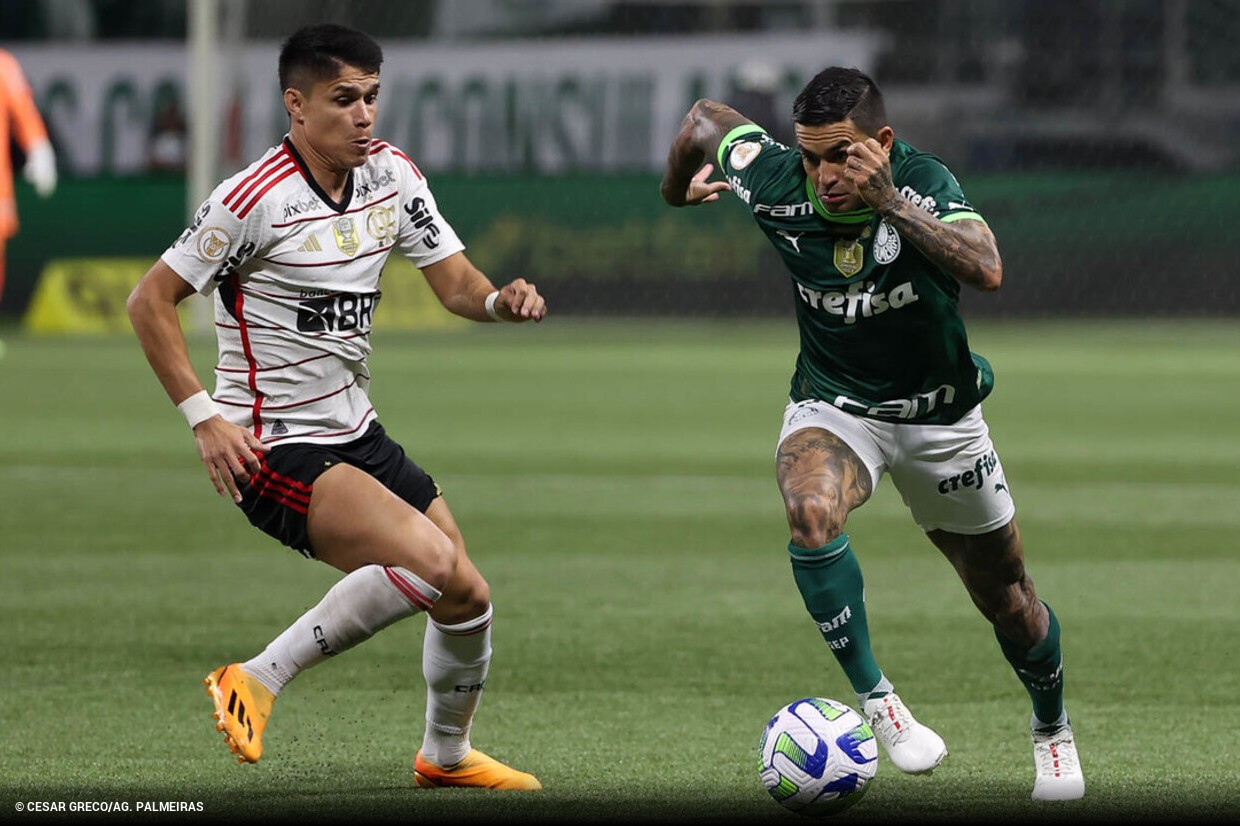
87 295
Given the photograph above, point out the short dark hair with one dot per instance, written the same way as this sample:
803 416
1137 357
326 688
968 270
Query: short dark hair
316 53
837 94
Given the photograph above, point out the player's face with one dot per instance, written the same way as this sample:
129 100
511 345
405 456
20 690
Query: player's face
824 152
338 117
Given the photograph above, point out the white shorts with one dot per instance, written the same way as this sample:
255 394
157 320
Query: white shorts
949 475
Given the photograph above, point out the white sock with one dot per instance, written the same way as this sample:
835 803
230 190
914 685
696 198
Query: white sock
455 661
884 687
360 605
1037 725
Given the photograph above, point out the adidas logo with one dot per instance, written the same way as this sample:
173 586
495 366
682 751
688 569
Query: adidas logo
237 709
311 245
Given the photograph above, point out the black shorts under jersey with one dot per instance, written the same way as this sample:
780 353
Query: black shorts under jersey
277 498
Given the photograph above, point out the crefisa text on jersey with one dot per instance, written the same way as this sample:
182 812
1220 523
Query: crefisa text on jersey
861 301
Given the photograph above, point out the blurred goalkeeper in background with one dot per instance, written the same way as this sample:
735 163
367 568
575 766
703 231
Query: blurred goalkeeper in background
20 120
293 247
877 238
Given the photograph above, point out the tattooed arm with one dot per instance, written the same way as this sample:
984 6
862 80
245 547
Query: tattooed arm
684 179
965 250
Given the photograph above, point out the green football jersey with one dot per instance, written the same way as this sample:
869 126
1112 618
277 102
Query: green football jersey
881 333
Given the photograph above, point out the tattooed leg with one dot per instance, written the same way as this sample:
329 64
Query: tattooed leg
822 479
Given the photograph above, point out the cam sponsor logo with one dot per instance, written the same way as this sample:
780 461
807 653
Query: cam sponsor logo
909 408
784 210
836 622
860 301
974 479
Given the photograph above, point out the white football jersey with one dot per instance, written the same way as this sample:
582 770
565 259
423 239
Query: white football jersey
296 279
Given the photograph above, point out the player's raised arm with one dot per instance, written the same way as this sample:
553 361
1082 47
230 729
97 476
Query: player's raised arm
684 179
464 290
228 451
964 249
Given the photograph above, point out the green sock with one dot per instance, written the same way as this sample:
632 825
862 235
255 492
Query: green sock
830 582
1040 669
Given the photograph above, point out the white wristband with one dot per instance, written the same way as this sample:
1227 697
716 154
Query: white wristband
490 307
198 408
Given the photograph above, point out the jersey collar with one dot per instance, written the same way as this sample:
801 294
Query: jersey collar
856 216
346 197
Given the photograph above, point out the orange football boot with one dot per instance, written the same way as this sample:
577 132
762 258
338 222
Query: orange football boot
476 770
242 707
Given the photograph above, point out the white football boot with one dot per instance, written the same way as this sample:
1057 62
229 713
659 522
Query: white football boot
1058 766
912 747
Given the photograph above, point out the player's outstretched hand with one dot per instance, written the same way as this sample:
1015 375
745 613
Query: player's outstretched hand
519 301
229 452
702 191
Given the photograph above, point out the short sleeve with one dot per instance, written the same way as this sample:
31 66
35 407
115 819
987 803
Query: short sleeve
425 237
930 185
215 245
749 158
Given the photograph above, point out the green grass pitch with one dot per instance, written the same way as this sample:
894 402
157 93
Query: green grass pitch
615 483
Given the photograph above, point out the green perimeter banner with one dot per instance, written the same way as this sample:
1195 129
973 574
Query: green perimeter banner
1072 244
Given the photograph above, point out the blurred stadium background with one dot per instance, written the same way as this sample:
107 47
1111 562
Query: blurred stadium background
1101 138
612 467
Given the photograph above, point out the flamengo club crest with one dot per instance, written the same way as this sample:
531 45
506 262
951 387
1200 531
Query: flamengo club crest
346 235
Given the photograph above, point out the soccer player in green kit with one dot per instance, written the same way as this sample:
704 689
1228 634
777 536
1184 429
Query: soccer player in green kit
877 238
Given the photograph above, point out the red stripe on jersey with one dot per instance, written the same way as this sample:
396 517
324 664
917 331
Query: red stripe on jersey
280 156
258 196
419 599
274 366
304 402
242 193
381 145
334 214
329 263
243 328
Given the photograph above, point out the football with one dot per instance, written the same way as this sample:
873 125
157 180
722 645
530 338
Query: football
817 756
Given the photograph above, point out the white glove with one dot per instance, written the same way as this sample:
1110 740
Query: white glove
40 169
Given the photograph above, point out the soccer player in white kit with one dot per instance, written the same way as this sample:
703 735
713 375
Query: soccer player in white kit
292 248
